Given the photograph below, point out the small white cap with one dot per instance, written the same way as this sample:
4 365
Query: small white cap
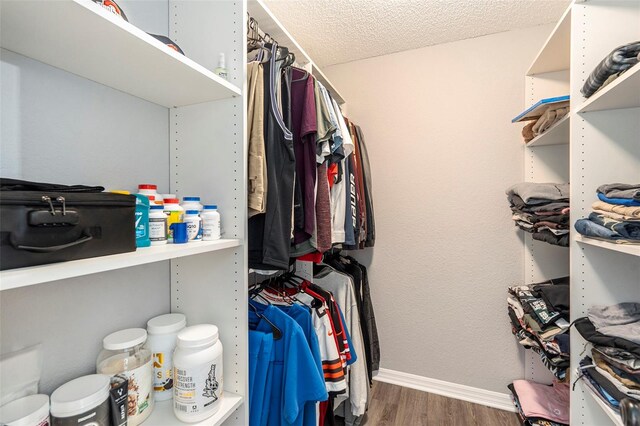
221 60
79 395
124 339
166 324
198 336
26 411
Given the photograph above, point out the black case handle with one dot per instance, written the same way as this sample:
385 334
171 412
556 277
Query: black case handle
50 249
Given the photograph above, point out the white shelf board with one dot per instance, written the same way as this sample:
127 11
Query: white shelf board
555 54
317 73
556 135
22 277
83 38
268 23
624 92
615 417
632 249
162 414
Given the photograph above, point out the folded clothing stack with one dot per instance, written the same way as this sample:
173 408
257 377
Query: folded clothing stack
541 405
542 209
610 68
616 217
613 370
551 116
539 315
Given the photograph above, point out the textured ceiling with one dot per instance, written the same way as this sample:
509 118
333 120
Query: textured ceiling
337 31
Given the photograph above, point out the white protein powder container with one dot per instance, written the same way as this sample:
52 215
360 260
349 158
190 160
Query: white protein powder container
124 355
197 373
162 332
82 402
32 410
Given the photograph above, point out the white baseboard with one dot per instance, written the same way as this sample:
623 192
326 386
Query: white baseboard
501 401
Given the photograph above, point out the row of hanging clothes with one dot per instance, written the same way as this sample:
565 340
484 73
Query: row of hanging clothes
313 347
309 182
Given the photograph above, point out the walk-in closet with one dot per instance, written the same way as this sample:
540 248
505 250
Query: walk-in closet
319 213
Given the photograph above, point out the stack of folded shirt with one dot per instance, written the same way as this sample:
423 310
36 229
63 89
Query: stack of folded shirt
551 116
541 405
616 217
610 68
613 370
539 315
542 209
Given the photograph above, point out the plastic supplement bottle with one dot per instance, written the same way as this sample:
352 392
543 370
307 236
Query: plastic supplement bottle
191 203
123 354
194 225
157 225
175 214
210 223
149 189
197 373
82 401
142 221
162 332
32 410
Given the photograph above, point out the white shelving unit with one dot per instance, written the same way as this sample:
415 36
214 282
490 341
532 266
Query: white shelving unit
624 92
556 135
129 62
88 98
633 250
163 412
605 148
554 55
23 277
546 159
269 23
613 416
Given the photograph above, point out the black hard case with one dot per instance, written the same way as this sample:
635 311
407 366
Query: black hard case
39 227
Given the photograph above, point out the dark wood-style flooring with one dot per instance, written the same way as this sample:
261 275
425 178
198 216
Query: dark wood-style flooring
393 405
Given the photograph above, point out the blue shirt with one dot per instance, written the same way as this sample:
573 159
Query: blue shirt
302 316
295 376
260 357
620 201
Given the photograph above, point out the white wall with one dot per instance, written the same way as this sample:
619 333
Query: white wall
437 126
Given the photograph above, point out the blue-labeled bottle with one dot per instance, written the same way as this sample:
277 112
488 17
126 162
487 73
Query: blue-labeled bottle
142 221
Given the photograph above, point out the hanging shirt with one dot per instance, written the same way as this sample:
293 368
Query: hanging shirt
296 379
326 127
257 163
302 316
303 115
260 364
331 361
269 233
342 288
339 189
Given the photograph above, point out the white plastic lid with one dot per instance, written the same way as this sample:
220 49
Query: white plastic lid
166 324
198 336
26 411
124 339
80 395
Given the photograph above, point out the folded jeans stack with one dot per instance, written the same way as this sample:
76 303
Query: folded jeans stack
541 405
611 67
613 370
550 117
541 209
539 315
616 216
